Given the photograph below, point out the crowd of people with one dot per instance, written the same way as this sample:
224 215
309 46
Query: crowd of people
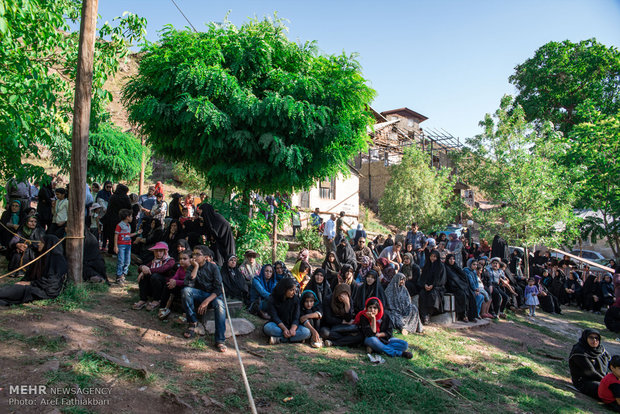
363 292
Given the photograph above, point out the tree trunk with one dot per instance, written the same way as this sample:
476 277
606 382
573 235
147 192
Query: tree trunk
526 263
274 245
142 168
79 145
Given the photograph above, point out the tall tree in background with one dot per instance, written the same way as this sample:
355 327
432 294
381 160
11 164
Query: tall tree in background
562 75
514 166
248 107
594 146
418 193
38 52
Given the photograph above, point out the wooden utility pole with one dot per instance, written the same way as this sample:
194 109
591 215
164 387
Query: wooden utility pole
142 167
79 144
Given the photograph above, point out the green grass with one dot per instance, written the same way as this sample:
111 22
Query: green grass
41 342
370 221
300 402
203 384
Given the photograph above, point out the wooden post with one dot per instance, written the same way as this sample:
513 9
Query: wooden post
274 246
79 144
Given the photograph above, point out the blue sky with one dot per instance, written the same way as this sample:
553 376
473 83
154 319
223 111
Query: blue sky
447 59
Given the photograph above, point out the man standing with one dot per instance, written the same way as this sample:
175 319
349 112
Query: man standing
329 234
417 239
340 228
316 218
146 203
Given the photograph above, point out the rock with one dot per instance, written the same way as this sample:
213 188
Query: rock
51 366
352 376
242 327
230 390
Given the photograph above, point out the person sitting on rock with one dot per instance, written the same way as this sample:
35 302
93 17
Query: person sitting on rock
588 362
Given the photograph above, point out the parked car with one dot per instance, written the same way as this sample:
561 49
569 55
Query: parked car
453 228
588 254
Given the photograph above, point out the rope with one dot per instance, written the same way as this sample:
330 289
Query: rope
248 390
15 234
40 256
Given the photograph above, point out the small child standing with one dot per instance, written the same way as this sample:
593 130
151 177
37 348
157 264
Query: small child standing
311 316
531 296
122 244
609 388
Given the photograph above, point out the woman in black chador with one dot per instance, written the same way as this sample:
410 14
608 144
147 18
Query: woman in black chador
432 287
219 233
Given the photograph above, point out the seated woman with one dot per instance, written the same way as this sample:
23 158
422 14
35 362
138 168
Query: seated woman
152 233
607 289
402 312
93 265
347 276
412 273
588 362
591 295
318 284
23 248
45 277
301 273
572 289
612 317
262 287
432 287
153 277
476 287
548 302
173 233
234 281
280 270
337 326
311 313
331 266
345 253
386 272
181 245
284 312
457 283
377 330
364 268
371 287
11 219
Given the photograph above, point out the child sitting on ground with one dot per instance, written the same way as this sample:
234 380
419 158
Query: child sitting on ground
311 316
531 296
177 282
377 329
609 388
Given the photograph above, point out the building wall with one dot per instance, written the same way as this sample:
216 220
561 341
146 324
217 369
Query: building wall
375 176
405 123
346 197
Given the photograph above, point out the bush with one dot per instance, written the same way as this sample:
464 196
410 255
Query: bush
310 238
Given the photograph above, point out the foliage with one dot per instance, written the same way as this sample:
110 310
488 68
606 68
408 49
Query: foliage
371 222
112 154
191 179
254 232
248 107
562 75
514 166
418 192
310 238
594 146
39 52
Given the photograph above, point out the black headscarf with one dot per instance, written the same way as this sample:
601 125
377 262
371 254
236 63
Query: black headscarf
365 291
175 251
286 308
346 254
234 283
587 363
48 281
332 269
118 201
322 290
433 273
93 263
456 279
174 209
218 229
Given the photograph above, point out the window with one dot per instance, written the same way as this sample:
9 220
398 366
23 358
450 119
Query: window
304 199
327 189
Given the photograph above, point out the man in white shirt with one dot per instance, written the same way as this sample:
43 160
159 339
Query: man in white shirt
329 234
392 254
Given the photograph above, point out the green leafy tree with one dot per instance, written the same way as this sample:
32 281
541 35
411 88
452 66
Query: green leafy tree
562 75
249 108
514 166
417 192
594 146
38 52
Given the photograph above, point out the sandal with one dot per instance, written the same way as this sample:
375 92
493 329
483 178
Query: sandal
152 306
190 332
138 305
221 347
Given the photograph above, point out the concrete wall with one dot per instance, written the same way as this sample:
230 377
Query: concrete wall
375 176
346 197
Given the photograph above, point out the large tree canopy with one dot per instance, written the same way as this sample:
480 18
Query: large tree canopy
514 166
248 107
562 75
39 52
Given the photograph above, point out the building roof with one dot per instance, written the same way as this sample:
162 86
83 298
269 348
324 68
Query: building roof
406 112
